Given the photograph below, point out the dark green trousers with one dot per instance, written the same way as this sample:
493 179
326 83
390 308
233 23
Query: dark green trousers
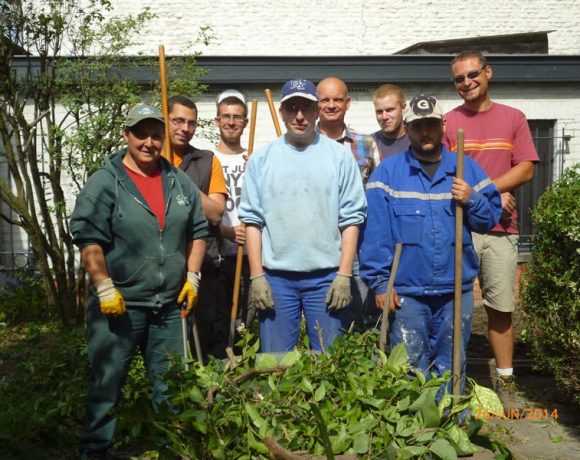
112 343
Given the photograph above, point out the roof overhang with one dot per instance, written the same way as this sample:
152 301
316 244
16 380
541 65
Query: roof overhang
240 70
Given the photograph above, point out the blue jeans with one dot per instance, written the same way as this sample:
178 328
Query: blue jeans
295 293
425 325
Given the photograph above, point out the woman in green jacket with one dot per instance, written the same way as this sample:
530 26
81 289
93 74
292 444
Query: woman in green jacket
139 226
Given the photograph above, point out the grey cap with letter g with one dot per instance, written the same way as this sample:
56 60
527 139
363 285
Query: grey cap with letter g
299 88
143 112
423 106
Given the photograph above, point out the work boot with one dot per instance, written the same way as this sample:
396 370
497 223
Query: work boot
507 390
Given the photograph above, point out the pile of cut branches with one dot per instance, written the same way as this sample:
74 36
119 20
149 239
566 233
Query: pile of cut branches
353 400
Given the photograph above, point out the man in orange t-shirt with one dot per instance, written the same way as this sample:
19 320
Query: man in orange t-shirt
205 170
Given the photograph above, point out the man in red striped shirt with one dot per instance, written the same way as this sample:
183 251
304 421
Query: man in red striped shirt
498 138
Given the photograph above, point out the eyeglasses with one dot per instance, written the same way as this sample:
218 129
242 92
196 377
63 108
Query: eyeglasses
179 122
471 75
224 118
293 107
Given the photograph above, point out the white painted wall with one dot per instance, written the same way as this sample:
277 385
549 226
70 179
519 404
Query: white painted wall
347 27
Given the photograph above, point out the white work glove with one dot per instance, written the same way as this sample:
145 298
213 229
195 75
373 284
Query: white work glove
189 291
338 295
111 301
260 293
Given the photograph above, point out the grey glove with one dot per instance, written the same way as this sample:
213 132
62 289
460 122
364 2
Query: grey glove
338 295
260 293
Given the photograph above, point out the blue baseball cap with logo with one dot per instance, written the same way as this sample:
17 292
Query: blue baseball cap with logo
299 88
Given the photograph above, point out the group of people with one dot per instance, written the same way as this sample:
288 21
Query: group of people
157 237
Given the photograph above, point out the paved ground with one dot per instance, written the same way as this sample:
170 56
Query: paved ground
545 427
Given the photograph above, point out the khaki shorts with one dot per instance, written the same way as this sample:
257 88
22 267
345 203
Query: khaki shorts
498 257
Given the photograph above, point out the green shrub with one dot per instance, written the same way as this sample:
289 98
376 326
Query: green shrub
43 374
25 302
551 285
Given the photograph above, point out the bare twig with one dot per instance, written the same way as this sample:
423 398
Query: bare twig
278 452
320 338
244 376
233 362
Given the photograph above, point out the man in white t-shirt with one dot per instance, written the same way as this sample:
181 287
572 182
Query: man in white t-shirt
232 119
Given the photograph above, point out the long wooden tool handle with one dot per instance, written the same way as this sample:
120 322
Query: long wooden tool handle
240 252
457 323
273 112
385 318
167 152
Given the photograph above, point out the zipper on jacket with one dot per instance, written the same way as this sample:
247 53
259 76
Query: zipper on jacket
158 305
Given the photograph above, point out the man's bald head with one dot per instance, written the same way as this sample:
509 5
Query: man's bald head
333 100
334 83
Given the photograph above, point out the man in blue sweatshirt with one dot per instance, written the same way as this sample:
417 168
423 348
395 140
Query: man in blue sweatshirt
302 202
412 197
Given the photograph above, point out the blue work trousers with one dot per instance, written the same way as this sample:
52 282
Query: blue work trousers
112 343
295 293
425 325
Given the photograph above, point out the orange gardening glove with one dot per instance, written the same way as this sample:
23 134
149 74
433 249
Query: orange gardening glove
110 300
189 291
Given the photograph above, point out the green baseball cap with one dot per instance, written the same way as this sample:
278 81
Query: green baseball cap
143 112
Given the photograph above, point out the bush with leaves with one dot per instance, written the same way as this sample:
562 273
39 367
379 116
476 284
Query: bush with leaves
551 287
42 390
352 400
24 300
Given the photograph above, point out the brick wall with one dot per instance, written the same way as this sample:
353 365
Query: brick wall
346 27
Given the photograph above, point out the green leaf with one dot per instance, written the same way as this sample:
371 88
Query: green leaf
195 395
218 453
376 403
200 425
254 416
306 385
414 451
425 403
461 440
258 446
290 358
425 437
265 360
320 393
403 404
361 443
189 414
398 357
363 425
341 442
485 401
443 449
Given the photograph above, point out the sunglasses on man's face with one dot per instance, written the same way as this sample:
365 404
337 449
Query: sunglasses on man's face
471 75
304 107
